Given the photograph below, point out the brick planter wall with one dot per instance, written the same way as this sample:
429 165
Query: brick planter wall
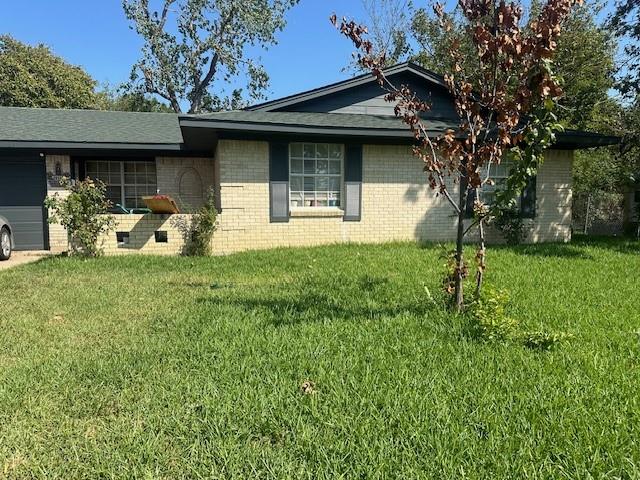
142 230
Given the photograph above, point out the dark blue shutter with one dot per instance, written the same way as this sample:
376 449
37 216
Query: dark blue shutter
279 182
471 199
353 183
528 199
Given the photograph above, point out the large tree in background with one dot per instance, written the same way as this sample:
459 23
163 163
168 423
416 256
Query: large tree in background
584 59
505 106
195 49
32 76
625 22
110 98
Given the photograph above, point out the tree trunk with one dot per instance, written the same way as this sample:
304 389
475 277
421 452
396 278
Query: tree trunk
459 273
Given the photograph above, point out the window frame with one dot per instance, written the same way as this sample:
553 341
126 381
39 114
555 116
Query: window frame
506 165
315 175
122 184
473 194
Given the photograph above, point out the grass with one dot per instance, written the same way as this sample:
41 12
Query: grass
145 367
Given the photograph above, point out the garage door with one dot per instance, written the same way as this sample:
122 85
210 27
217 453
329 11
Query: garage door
23 187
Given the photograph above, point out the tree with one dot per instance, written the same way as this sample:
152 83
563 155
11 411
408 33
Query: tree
112 99
505 109
192 46
625 24
35 77
585 63
388 22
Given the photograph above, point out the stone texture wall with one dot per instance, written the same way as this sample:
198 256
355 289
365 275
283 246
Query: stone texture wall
397 204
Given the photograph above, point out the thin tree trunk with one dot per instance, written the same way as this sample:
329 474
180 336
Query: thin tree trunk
459 273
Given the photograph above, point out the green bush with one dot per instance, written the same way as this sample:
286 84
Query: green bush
203 226
489 320
511 226
84 212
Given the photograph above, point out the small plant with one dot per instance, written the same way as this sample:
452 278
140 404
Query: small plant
203 226
510 224
84 212
544 341
489 320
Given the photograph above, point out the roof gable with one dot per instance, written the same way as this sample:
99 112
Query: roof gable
363 95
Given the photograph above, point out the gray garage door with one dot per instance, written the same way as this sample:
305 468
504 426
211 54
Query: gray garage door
23 187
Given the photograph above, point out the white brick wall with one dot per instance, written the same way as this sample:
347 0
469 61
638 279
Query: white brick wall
141 229
170 172
186 179
58 240
397 203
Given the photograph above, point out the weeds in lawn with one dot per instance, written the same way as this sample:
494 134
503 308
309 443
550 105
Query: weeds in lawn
490 321
544 340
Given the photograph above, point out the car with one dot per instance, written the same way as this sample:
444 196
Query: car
6 239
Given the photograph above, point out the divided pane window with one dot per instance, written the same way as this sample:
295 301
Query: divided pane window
497 173
127 181
315 174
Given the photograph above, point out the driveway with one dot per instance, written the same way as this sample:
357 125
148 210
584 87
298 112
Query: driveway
22 258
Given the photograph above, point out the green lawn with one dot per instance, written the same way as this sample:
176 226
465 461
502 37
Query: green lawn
176 367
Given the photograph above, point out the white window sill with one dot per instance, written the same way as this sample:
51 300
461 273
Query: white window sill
316 212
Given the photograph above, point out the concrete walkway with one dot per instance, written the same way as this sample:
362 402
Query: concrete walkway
22 258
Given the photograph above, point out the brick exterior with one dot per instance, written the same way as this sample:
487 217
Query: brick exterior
187 180
397 204
58 240
142 228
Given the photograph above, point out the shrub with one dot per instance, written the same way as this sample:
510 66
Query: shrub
489 320
84 213
203 226
511 226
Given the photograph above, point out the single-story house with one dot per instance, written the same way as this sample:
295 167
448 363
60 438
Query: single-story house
328 165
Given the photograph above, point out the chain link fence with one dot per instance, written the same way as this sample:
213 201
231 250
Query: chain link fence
598 213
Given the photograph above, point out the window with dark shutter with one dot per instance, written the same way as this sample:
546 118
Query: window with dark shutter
279 182
528 199
353 183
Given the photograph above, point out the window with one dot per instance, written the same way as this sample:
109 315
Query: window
497 173
315 174
127 181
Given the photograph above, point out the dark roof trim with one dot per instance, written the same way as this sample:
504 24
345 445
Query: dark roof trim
570 139
227 125
578 139
89 145
345 84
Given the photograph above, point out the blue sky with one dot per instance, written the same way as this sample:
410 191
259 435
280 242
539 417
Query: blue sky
95 35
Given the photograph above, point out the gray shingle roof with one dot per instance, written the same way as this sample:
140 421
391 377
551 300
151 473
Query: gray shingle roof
88 126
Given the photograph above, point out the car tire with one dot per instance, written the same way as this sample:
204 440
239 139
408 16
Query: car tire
5 244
